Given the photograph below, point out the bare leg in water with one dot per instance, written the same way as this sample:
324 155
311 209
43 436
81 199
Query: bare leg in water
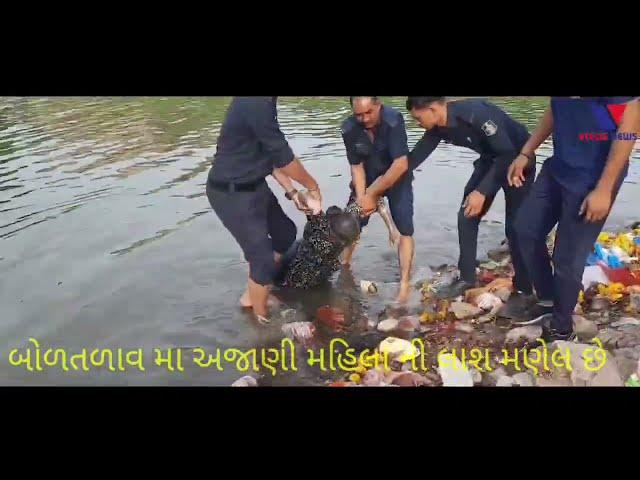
406 252
247 301
394 234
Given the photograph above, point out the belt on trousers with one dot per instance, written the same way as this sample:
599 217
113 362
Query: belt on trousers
235 187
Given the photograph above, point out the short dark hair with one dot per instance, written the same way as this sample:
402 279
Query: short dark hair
422 102
351 99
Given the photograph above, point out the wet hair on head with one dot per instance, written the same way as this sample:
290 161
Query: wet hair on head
351 99
422 102
344 226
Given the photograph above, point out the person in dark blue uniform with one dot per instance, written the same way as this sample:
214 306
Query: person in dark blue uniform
375 140
483 127
251 147
592 141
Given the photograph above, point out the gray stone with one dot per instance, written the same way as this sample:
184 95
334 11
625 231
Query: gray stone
585 330
607 376
632 353
388 325
246 381
505 381
464 310
464 327
626 321
628 339
523 379
626 366
609 338
527 334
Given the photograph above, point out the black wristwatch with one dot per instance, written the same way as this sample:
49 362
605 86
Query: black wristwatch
291 194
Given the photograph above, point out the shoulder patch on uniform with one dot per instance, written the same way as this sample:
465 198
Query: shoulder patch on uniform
489 128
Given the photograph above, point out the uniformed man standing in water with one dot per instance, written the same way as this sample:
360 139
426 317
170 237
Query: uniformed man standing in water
375 139
250 147
593 138
498 138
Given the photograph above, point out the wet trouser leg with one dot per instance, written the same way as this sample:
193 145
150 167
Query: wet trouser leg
548 204
259 226
536 217
468 227
514 198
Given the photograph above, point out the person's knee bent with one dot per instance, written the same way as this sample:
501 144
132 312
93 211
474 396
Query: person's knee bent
263 269
404 224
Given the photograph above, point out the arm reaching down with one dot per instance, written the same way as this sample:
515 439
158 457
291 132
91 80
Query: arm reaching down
394 234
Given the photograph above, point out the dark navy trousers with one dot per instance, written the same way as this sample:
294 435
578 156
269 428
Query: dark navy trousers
259 226
560 279
468 227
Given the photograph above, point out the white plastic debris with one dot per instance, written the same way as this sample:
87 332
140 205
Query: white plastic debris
594 275
453 372
398 349
246 381
388 325
299 331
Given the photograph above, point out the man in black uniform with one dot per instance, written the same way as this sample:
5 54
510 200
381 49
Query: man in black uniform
375 139
250 147
486 129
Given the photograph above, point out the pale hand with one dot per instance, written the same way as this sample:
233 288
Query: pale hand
314 200
473 204
368 203
515 175
307 203
596 206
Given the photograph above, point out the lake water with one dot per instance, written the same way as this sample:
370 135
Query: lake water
107 239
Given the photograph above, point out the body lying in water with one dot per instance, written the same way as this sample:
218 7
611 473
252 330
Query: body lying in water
312 260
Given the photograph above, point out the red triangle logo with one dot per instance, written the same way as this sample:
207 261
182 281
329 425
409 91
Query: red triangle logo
616 112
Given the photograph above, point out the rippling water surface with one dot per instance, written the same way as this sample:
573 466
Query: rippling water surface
107 239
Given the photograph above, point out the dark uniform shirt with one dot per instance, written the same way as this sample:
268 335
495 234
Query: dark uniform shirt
390 143
483 127
584 129
250 143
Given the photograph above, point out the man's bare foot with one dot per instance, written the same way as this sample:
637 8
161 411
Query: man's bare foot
403 294
262 320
